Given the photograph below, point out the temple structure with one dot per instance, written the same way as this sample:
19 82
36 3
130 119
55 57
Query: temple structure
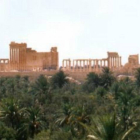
23 58
26 59
113 61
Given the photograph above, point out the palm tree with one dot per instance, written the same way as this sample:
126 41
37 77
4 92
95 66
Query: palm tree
78 117
106 78
73 119
41 85
33 123
11 112
58 80
92 82
93 78
66 113
126 109
106 128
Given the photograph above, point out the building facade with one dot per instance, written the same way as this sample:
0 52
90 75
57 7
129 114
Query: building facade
26 59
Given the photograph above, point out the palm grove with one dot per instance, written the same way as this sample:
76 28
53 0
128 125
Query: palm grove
101 108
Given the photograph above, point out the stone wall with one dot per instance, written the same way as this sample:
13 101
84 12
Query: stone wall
26 59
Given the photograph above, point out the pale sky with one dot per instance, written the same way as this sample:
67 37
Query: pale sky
79 28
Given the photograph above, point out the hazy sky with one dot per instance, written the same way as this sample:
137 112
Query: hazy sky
79 28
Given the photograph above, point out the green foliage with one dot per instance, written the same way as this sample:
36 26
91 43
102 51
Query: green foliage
106 128
137 76
100 91
33 123
41 85
93 81
43 135
62 135
7 133
59 80
107 78
56 109
11 112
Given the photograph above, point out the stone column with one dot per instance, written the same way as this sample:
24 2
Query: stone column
108 62
76 65
20 59
96 64
73 66
66 63
16 59
80 65
112 62
120 61
83 65
100 64
11 59
116 63
89 65
10 54
63 64
70 64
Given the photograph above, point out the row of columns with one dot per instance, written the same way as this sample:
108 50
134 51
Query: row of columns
66 63
14 55
84 64
91 64
17 58
4 61
114 62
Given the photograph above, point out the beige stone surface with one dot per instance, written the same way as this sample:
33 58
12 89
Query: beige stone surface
113 61
26 59
133 59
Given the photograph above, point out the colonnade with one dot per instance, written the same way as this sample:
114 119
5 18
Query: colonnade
84 64
66 63
114 62
17 58
4 61
14 55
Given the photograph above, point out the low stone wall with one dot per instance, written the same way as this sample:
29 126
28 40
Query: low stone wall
32 75
80 76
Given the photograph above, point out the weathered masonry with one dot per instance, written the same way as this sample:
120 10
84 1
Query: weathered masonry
26 59
113 61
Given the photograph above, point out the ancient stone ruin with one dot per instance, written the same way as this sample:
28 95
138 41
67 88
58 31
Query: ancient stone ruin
26 59
23 59
113 61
